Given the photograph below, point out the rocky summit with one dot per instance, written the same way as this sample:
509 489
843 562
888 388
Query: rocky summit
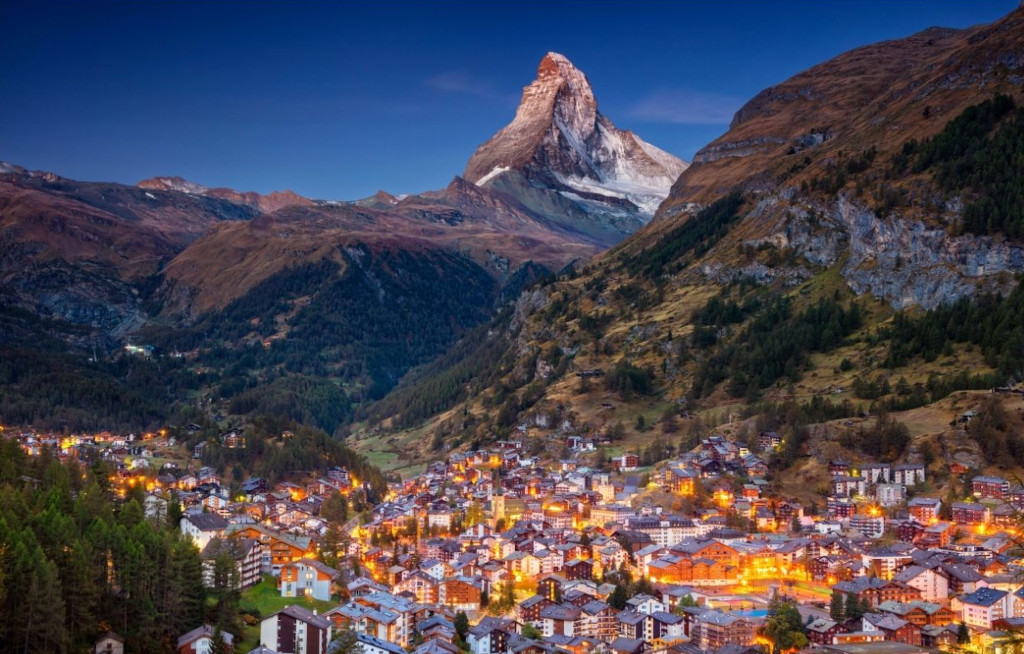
560 151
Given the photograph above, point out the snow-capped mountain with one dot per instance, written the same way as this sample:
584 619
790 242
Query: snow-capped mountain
560 144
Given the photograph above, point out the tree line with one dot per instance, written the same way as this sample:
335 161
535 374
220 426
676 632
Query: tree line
75 563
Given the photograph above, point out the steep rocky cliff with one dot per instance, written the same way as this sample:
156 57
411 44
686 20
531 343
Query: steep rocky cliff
561 155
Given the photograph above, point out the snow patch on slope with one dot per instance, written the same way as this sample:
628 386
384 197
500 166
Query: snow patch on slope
497 170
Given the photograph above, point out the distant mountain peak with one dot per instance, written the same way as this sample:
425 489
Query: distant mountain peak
172 183
263 203
559 140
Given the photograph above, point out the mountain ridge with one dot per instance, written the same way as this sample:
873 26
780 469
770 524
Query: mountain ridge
560 141
267 203
814 214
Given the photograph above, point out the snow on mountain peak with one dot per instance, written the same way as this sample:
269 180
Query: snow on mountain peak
559 139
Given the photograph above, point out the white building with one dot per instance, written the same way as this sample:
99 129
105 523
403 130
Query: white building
890 494
203 527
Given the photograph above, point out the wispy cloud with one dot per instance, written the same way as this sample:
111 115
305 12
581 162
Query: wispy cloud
686 107
461 82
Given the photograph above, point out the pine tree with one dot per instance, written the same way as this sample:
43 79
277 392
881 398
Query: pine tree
461 625
346 642
963 634
852 609
508 596
618 598
217 644
835 607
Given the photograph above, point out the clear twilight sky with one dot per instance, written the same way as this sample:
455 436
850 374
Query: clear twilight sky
338 100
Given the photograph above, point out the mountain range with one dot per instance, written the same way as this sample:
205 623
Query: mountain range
574 279
830 254
95 265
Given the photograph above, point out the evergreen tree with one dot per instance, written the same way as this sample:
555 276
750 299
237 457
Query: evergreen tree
784 626
853 608
345 642
461 625
335 508
217 644
618 598
963 635
508 596
836 610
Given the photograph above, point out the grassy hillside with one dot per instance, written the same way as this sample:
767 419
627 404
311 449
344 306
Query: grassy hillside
670 336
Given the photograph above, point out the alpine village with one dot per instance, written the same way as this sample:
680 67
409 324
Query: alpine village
588 398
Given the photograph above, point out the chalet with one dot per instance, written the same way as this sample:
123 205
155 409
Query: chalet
630 624
965 513
278 547
876 473
597 620
839 468
769 440
983 607
962 578
848 486
894 628
307 578
203 527
207 475
919 613
754 467
109 643
995 488
787 510
940 638
939 534
714 629
663 627
560 619
821 631
924 509
247 553
460 594
200 640
368 644
437 626
529 609
628 646
875 590
890 494
578 569
626 462
491 635
840 508
908 474
681 481
868 525
933 582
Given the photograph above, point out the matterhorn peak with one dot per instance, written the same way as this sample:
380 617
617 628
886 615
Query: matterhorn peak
560 141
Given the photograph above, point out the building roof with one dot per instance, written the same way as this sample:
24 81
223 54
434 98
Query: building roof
821 625
207 521
628 645
984 597
304 614
238 548
204 631
385 645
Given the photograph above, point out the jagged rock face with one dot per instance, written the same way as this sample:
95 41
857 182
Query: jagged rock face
560 141
898 259
878 96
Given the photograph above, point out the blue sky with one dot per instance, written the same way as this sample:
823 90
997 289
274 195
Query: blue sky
337 100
